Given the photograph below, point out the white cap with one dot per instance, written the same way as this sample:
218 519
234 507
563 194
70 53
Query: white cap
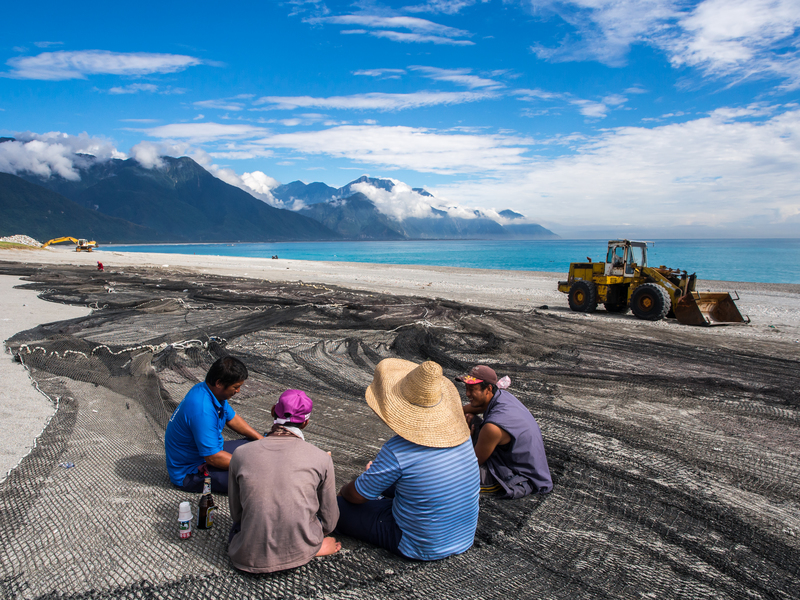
185 512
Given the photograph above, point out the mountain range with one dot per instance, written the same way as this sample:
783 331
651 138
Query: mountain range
352 214
180 201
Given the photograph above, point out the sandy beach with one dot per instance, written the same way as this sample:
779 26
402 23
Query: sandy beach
774 308
24 411
675 450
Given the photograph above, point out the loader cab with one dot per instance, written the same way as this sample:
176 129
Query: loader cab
624 256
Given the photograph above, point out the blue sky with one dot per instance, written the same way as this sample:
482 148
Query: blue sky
664 118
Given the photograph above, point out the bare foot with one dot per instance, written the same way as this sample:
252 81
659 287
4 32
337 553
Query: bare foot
329 546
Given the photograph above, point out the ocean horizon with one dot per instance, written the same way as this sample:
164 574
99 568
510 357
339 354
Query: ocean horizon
773 260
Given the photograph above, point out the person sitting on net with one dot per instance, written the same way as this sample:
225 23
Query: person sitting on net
419 498
282 495
508 441
193 439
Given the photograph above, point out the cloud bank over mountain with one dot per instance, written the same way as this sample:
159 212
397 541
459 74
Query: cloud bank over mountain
63 155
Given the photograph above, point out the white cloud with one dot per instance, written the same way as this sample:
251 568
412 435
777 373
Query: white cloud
149 154
204 132
606 28
741 39
223 104
259 182
736 39
382 73
149 88
458 76
134 88
588 108
375 100
53 153
57 66
411 38
408 148
401 202
447 7
732 166
47 44
415 29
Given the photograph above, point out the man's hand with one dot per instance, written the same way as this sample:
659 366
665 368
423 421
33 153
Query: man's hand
239 425
350 493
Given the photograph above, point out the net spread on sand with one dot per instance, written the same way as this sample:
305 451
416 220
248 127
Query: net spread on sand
675 453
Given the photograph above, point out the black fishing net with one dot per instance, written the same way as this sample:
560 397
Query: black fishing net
675 452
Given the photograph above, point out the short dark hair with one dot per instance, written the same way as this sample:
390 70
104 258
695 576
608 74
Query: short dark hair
486 384
227 370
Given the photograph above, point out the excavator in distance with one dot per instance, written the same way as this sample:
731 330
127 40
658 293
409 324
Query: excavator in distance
624 282
80 244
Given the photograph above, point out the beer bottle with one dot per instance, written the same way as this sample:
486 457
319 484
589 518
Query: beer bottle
206 508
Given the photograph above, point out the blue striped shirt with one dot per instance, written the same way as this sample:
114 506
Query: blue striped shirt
436 497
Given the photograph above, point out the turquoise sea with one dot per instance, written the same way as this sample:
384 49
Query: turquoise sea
763 260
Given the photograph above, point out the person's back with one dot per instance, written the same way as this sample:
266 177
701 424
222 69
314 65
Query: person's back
433 525
282 495
419 497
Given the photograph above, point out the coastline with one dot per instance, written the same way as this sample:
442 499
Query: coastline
774 308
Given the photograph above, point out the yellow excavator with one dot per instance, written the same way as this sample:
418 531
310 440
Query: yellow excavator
80 244
624 282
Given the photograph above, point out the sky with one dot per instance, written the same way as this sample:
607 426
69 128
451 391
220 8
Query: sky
602 118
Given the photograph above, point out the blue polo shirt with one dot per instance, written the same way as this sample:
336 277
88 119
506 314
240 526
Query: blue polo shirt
436 495
194 431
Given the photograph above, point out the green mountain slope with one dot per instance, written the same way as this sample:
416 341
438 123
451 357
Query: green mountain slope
29 209
184 202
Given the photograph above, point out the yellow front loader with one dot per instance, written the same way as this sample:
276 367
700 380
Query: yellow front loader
625 282
80 244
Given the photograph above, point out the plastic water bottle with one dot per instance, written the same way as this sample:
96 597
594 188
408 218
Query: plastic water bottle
185 520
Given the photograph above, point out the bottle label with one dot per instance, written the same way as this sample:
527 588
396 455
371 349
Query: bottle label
185 529
210 516
207 486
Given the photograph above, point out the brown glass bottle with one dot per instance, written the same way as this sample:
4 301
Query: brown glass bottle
206 508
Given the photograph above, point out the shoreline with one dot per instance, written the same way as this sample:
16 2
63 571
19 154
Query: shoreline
774 308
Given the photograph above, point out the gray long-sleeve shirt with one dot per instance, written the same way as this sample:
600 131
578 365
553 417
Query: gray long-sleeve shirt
283 492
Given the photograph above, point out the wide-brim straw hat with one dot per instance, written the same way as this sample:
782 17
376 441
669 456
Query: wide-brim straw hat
418 403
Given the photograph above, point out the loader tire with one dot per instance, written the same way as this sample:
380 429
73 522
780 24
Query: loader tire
583 296
619 308
650 302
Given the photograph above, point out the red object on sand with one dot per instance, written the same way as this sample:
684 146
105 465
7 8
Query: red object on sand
99 266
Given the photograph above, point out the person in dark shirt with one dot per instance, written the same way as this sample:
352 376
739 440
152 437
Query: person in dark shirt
507 440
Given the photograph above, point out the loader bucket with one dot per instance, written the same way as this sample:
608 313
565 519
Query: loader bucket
708 308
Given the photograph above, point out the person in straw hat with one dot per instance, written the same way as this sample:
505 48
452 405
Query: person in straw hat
508 441
419 497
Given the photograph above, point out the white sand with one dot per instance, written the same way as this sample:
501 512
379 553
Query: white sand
24 411
773 308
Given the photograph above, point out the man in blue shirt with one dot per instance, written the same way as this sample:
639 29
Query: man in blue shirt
193 440
419 498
